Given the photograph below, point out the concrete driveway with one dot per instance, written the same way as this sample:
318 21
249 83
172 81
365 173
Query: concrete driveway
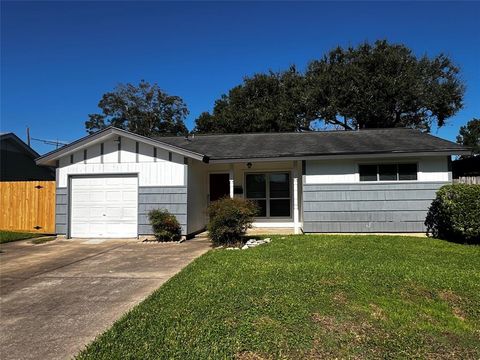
56 297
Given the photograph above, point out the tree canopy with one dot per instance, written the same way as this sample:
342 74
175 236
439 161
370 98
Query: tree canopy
263 103
144 109
371 86
469 135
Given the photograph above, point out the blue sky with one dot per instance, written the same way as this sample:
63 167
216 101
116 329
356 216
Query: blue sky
58 58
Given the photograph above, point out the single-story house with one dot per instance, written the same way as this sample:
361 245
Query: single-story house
335 181
17 161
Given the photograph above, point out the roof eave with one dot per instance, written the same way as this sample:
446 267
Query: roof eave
442 152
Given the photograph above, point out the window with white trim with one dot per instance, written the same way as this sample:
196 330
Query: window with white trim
271 193
388 172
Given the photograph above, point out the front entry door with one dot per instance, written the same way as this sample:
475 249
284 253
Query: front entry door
219 186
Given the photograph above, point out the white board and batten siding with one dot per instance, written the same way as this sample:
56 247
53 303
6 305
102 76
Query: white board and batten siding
151 171
335 200
136 179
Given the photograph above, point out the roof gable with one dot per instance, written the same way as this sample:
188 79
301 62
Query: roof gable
101 135
19 144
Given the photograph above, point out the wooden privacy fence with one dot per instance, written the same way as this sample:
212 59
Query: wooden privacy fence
27 206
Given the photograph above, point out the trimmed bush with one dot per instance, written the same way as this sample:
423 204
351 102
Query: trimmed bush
455 214
165 225
229 219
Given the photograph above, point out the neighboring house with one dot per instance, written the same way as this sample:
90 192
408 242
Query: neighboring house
339 181
466 167
17 161
467 170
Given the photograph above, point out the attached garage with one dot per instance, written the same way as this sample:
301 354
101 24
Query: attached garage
104 207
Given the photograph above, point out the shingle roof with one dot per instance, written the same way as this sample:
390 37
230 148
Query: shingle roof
275 145
11 136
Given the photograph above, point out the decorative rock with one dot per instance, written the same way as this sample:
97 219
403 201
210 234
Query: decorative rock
251 241
245 247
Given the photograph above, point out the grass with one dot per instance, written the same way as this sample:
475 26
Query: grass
311 297
9 236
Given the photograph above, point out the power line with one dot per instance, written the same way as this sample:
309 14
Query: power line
56 143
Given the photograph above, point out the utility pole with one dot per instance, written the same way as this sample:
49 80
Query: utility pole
28 136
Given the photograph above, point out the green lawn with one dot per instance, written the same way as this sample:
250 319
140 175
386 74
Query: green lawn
311 297
8 236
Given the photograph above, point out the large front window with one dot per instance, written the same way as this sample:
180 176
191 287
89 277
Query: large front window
271 192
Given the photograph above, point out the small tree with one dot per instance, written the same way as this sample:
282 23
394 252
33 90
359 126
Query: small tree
165 225
229 219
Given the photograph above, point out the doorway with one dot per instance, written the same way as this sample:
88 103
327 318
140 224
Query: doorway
219 186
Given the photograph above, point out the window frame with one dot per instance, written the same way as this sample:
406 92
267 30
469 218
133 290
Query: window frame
378 164
259 198
267 193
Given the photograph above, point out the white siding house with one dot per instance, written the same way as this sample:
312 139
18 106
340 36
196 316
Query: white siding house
367 181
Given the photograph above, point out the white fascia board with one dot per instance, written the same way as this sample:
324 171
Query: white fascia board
343 156
50 158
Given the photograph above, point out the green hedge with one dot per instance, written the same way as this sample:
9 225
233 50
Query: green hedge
455 214
229 219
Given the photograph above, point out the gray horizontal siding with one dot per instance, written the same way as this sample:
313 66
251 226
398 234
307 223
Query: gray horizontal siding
152 198
374 186
173 199
369 216
396 207
365 205
365 227
61 211
163 189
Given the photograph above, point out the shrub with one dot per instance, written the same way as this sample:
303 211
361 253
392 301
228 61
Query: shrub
165 225
229 219
455 214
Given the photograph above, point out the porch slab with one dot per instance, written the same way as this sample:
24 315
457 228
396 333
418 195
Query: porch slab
270 231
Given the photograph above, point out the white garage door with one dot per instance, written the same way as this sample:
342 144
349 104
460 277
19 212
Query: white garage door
104 207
